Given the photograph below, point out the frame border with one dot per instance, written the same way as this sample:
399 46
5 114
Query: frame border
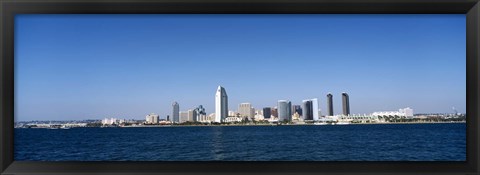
9 8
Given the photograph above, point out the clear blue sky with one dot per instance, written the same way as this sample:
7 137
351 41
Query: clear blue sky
127 66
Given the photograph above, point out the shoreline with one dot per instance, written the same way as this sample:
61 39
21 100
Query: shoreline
247 125
389 123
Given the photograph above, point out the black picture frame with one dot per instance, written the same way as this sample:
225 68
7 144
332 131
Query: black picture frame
9 8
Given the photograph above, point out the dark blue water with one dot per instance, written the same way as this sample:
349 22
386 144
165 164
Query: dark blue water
381 142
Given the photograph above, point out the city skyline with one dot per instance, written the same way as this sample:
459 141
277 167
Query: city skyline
142 68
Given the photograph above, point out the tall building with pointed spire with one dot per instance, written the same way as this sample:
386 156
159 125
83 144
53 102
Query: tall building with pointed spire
175 112
330 104
221 104
346 104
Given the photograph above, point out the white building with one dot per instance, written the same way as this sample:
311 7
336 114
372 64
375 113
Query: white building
232 119
152 118
183 116
210 117
192 114
406 112
109 121
259 117
315 109
221 104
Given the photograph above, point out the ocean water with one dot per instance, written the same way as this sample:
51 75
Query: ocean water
379 142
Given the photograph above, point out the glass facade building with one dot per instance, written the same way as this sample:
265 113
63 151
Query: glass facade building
284 110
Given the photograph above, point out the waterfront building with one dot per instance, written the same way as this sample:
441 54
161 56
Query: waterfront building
183 116
407 111
315 109
175 112
232 113
151 119
211 117
307 110
310 109
345 104
192 115
200 114
267 112
296 116
221 104
246 110
330 104
109 121
258 117
232 119
402 113
275 112
284 110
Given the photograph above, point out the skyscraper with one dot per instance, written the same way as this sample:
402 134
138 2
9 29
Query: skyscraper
175 112
284 110
310 109
192 115
330 104
267 113
307 110
315 109
200 114
346 104
221 104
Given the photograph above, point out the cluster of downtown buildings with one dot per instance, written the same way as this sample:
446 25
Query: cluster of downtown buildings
284 111
307 112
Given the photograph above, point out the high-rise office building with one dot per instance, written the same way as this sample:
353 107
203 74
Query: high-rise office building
183 116
200 114
346 104
310 109
330 104
307 109
267 112
175 112
246 110
284 110
315 109
221 104
192 115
